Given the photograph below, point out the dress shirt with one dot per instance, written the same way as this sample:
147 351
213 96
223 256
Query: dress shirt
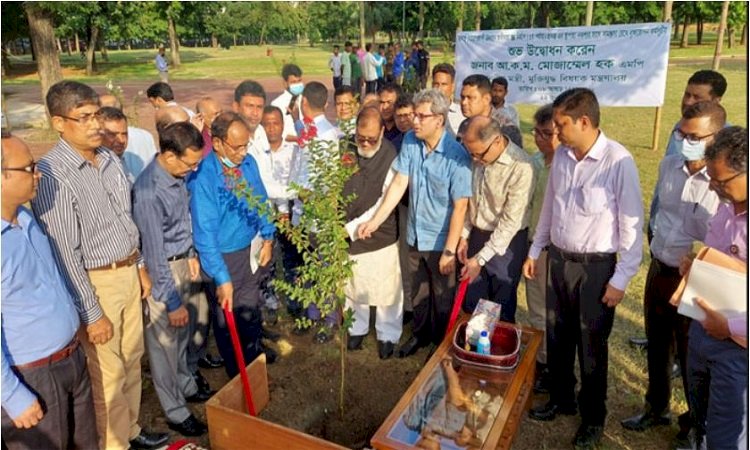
727 232
334 63
161 63
594 206
455 118
187 110
140 151
398 64
282 102
86 212
542 174
278 169
687 205
328 136
507 113
161 209
501 193
371 67
38 315
436 180
223 223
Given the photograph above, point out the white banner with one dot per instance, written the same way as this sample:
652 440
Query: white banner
625 65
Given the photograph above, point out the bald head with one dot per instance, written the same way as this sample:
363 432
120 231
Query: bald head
209 108
169 115
109 100
18 186
481 128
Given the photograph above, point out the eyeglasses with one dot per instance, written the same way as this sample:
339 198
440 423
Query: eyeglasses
365 140
191 166
691 138
84 119
481 156
421 117
722 183
236 148
31 168
405 116
544 134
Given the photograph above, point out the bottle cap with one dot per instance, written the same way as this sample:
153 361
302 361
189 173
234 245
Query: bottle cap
483 333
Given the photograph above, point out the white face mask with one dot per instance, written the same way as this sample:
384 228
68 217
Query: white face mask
227 162
691 152
296 88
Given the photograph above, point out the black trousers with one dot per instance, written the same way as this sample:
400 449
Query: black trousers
499 278
667 334
577 319
246 304
431 295
64 392
371 86
337 82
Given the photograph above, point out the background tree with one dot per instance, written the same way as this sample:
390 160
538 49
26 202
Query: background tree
41 29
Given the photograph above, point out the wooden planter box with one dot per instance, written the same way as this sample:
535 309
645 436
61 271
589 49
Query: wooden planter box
506 393
230 427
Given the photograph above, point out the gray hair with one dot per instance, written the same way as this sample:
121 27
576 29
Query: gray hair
439 104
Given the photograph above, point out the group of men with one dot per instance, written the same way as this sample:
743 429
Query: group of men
443 192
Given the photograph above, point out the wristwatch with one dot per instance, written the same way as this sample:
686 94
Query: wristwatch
481 261
449 253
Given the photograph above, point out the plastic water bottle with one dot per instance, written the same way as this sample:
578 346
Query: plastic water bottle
483 344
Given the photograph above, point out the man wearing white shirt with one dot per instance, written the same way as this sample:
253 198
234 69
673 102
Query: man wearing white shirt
371 69
160 95
141 147
334 63
443 79
290 98
346 65
161 65
500 108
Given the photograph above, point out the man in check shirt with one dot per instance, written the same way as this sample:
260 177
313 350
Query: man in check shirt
592 213
494 240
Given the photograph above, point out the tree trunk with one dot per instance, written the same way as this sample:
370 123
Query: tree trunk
68 46
262 35
129 45
685 26
743 38
174 42
59 45
730 37
234 39
78 43
589 13
420 32
91 50
460 24
362 24
214 41
532 14
43 38
720 37
6 61
478 17
699 31
102 47
676 30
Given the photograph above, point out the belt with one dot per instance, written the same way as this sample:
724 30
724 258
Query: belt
584 258
53 358
665 267
126 262
183 255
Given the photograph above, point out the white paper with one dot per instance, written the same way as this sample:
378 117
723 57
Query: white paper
255 245
722 288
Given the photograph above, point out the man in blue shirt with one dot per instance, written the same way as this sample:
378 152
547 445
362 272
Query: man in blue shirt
42 363
225 221
437 171
161 211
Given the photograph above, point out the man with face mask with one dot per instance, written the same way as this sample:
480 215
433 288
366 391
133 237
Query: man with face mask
290 98
223 227
377 273
682 217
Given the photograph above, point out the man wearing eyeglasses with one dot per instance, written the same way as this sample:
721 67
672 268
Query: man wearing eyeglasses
224 224
436 169
161 211
46 390
686 204
494 239
84 204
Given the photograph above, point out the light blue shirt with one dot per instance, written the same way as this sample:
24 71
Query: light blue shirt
436 180
38 315
222 223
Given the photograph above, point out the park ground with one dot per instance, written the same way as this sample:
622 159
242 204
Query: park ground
304 382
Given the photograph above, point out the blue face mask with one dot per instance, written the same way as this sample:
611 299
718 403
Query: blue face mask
296 88
691 152
224 160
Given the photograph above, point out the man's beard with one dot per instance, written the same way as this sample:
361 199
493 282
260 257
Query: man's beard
367 154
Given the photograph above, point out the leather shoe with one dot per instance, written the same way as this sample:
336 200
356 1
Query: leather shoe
541 383
265 333
410 347
189 427
271 355
200 396
643 422
550 410
355 342
201 381
638 343
588 436
147 440
211 362
385 349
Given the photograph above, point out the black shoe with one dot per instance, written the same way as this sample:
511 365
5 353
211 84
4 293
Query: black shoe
638 343
271 355
410 347
324 334
211 362
643 422
541 384
200 396
692 441
147 440
265 333
588 436
355 342
189 427
550 410
270 317
201 381
385 349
